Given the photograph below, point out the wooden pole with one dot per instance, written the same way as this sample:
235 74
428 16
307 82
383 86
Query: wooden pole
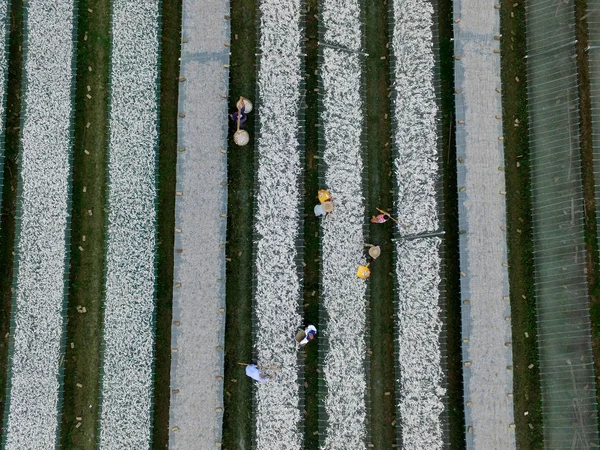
385 212
261 367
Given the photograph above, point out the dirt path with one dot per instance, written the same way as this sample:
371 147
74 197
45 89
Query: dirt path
486 333
198 301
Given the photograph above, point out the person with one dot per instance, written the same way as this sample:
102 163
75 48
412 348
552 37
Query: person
310 332
322 209
363 271
319 211
253 372
380 218
241 113
243 101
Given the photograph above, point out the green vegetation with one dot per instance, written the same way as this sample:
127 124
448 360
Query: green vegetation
238 421
456 416
84 330
9 189
527 390
378 159
169 85
311 231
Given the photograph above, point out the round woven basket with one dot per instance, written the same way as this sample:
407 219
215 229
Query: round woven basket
248 104
241 137
374 252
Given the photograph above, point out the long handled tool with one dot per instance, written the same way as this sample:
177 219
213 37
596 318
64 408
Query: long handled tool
261 367
385 212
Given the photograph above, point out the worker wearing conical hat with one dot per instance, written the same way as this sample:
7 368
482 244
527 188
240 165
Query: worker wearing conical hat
324 208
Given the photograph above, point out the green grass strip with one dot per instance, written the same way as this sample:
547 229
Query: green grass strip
587 32
237 419
379 157
167 160
456 417
82 359
526 372
311 231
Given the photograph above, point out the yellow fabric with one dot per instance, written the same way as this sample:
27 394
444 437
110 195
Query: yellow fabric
363 272
324 195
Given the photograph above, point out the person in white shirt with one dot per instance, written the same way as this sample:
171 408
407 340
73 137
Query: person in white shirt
319 211
310 333
253 372
323 209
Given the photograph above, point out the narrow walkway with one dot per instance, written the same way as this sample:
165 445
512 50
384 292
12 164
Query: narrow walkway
487 351
199 274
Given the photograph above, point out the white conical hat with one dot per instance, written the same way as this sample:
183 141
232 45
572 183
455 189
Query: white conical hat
247 104
241 137
327 206
374 252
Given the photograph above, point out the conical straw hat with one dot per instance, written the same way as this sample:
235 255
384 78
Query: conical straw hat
247 103
324 195
327 206
241 137
363 272
374 252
